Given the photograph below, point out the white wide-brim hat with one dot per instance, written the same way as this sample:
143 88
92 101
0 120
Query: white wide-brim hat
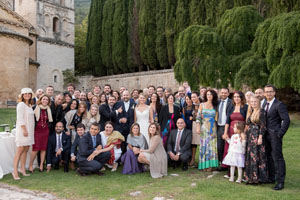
26 91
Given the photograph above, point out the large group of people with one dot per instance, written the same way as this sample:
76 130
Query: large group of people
152 128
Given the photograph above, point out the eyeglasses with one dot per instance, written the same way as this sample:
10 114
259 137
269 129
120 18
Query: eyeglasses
269 92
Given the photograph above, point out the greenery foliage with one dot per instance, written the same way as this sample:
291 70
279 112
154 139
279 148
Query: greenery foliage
69 77
136 35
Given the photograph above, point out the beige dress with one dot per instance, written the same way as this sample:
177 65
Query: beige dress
25 116
158 158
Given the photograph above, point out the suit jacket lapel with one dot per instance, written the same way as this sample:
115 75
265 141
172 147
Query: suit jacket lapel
273 106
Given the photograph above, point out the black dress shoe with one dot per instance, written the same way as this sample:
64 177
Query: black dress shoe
269 181
66 170
220 169
185 168
278 186
99 173
81 173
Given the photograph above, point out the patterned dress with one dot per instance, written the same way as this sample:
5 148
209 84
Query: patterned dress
255 159
208 154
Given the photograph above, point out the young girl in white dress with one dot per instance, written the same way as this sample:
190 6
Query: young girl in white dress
236 152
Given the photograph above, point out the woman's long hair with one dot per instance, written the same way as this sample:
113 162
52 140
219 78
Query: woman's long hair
215 98
254 115
89 114
157 132
133 125
157 104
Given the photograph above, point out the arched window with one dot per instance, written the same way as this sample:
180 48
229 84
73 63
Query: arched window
55 79
47 20
55 25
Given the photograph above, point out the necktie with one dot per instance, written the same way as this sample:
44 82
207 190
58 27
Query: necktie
220 113
178 141
58 142
94 141
267 109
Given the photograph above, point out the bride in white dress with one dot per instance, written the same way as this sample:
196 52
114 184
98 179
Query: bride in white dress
143 115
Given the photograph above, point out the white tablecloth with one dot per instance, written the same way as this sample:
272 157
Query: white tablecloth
7 152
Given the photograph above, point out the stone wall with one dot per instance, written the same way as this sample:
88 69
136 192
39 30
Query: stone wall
53 59
139 80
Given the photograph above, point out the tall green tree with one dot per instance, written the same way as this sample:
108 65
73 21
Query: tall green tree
133 50
106 44
119 36
197 12
94 38
277 40
81 66
171 6
161 43
201 58
147 33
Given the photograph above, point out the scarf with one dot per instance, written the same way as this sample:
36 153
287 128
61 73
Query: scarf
37 112
115 138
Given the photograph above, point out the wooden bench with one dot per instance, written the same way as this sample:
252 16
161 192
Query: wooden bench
11 103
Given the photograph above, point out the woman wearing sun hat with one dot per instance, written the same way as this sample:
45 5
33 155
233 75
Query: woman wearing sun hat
24 130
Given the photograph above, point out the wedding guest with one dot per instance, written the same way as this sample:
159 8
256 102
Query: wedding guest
97 90
143 115
38 93
117 95
151 89
102 99
196 137
236 113
50 92
167 117
67 100
71 88
136 142
72 105
202 93
167 92
74 148
278 122
111 141
224 105
181 97
109 111
92 117
95 100
73 118
135 95
248 95
76 94
179 145
89 96
43 117
146 95
90 158
107 90
255 159
58 149
187 112
160 92
185 84
24 131
56 111
259 92
155 106
122 89
156 155
206 127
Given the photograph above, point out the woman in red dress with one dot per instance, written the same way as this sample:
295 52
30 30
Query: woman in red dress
236 114
43 116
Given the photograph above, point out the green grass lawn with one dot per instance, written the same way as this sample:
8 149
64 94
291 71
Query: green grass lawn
118 186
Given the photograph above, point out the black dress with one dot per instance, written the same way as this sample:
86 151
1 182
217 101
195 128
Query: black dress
255 157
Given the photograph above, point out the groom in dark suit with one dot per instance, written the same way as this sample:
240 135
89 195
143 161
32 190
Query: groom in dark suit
90 158
179 145
126 118
278 122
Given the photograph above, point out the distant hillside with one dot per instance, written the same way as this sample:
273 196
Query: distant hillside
82 8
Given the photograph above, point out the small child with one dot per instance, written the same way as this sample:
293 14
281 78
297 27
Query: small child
236 152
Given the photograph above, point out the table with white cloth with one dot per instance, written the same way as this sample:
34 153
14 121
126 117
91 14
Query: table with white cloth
7 152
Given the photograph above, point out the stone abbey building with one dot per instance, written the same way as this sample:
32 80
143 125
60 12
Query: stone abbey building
36 44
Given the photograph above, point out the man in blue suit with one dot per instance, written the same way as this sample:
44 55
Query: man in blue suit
89 157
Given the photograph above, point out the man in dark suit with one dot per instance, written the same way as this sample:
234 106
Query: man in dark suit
80 130
58 149
56 111
278 122
126 118
179 145
90 157
109 111
223 106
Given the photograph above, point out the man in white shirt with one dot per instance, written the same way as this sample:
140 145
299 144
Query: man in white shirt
224 104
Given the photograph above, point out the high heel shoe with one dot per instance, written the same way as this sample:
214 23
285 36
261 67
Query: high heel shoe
115 167
24 174
41 170
30 171
15 178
